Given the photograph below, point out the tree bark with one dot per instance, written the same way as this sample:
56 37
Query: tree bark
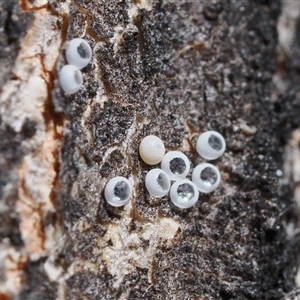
169 68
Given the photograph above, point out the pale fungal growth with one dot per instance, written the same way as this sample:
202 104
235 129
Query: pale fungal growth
70 79
157 183
210 145
206 177
176 165
184 193
152 150
118 191
78 53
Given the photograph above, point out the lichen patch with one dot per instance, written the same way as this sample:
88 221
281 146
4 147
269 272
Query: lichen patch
126 251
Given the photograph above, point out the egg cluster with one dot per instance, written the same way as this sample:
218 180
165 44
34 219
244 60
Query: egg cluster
174 167
78 55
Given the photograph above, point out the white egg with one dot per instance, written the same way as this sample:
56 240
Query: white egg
78 53
211 145
152 150
118 191
176 165
206 177
70 79
157 183
184 193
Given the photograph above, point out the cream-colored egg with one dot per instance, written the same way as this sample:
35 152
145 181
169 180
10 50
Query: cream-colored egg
152 150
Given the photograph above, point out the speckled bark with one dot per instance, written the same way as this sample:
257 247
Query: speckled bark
173 69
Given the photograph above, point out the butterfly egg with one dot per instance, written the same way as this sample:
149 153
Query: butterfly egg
78 53
70 79
210 145
157 183
118 191
184 193
152 150
206 177
176 165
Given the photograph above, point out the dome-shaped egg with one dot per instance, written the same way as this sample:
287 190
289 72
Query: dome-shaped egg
176 165
157 183
70 79
211 145
118 191
184 193
152 150
206 177
78 53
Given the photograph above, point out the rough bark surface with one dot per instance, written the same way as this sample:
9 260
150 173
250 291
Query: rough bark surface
169 68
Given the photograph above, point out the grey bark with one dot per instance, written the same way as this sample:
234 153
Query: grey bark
173 69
